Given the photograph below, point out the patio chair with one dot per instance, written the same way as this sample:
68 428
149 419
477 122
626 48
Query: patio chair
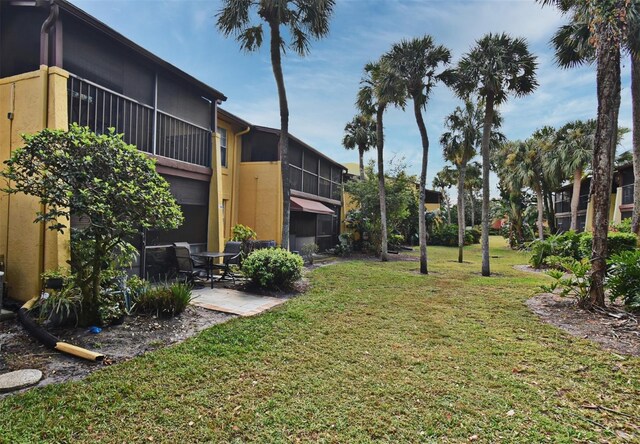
186 266
197 261
228 261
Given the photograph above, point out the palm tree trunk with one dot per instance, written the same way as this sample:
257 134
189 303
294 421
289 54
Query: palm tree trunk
461 217
551 214
361 160
575 199
540 204
472 202
486 137
608 86
422 223
283 142
448 202
635 103
383 202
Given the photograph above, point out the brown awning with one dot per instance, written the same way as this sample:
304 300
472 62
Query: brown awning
309 206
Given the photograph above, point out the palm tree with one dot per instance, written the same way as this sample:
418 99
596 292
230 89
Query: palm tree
573 47
459 144
443 181
380 88
526 167
572 156
473 184
606 22
360 133
304 20
497 66
416 63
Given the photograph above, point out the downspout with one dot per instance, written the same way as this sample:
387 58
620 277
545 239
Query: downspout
54 12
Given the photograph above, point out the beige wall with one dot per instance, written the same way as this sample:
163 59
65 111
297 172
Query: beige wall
36 100
260 199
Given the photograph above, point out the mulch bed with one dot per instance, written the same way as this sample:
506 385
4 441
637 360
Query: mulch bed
614 328
136 336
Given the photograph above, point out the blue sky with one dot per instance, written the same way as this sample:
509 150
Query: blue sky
322 86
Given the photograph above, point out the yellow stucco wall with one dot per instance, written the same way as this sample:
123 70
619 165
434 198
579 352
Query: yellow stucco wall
231 177
431 206
36 100
260 199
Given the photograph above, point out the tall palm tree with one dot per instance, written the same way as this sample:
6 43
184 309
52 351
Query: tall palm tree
472 185
459 144
444 180
606 21
573 47
572 156
512 194
526 167
416 63
304 20
380 88
360 133
497 66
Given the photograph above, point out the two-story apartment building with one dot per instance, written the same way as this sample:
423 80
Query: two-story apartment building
621 201
59 65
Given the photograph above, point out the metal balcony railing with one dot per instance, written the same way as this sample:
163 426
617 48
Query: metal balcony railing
99 108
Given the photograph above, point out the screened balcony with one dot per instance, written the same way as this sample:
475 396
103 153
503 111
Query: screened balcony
627 194
148 128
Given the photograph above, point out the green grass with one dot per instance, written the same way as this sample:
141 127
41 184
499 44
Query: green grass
373 352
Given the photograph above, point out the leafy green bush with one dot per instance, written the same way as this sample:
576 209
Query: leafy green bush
617 242
111 306
623 227
623 278
475 233
345 245
447 235
242 233
576 246
60 307
165 300
576 285
273 268
395 241
559 262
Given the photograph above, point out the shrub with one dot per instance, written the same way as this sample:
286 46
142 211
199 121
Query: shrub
623 279
165 300
617 243
577 285
111 306
308 250
345 245
623 227
273 268
558 262
395 241
475 233
60 307
242 233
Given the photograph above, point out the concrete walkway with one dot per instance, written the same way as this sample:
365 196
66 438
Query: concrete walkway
233 301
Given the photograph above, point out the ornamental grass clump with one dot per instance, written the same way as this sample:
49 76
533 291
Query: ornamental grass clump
273 268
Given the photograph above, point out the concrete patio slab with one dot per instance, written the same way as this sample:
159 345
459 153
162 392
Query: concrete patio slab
233 301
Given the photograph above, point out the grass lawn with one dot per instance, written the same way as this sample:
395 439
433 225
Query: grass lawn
373 352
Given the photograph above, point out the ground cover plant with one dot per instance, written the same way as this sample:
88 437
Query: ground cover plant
373 352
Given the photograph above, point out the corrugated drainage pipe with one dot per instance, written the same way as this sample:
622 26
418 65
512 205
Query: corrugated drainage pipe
48 339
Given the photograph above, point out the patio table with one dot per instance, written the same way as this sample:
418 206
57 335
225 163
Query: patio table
210 256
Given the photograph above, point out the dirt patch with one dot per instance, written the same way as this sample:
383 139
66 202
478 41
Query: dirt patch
614 329
138 335
529 269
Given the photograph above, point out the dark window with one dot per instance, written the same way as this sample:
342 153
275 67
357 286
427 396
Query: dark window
223 146
295 155
325 170
296 178
627 214
325 188
310 183
310 163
